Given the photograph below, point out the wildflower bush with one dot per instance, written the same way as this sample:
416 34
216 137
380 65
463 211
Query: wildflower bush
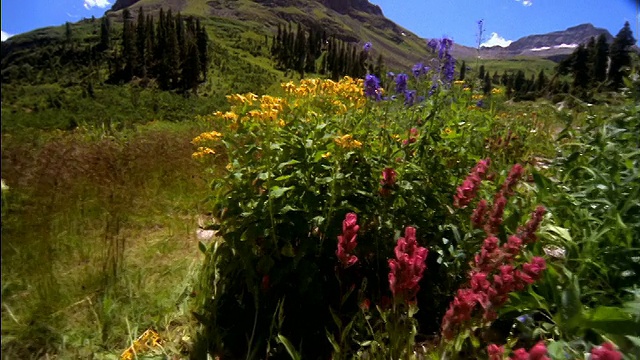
395 218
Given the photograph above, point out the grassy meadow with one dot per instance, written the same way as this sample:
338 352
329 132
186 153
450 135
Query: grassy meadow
413 218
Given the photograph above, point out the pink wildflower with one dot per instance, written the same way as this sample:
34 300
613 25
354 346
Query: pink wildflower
512 179
520 354
389 178
347 241
538 352
495 352
527 233
495 217
407 268
469 188
606 351
479 216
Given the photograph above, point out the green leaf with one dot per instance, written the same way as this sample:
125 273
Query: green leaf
336 318
287 250
557 232
202 247
634 339
332 340
284 177
286 209
277 191
556 350
287 163
290 349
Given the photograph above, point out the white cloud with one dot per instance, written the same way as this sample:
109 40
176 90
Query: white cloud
496 40
526 2
5 35
88 4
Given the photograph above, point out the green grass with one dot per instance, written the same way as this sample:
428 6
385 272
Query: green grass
530 66
99 238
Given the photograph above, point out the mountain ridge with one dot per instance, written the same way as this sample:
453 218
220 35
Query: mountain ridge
554 44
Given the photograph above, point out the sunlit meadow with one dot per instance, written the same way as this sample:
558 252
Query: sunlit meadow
412 215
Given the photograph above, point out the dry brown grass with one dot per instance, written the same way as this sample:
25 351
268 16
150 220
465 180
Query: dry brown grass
98 238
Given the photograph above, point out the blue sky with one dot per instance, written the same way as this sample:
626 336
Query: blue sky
507 19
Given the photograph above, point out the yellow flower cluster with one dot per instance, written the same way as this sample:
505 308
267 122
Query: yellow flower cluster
202 152
477 97
496 91
149 339
229 115
348 142
238 99
344 94
207 136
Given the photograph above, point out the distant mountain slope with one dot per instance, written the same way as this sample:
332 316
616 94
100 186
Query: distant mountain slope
551 45
350 20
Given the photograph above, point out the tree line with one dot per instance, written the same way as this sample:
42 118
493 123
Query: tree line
595 65
172 50
313 51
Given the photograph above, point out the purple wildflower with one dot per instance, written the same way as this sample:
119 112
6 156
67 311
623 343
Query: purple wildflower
401 83
409 97
433 44
449 68
417 69
371 86
445 46
391 74
480 103
367 46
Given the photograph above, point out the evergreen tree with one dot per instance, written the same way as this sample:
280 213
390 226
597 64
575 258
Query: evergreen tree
463 70
580 69
173 51
203 48
495 79
541 82
519 84
504 80
481 72
311 54
486 87
128 46
620 55
68 33
599 60
105 33
141 44
300 51
190 66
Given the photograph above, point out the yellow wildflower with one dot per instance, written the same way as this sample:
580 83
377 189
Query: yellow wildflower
208 136
229 115
202 151
477 97
458 82
149 339
448 131
229 166
326 155
347 142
